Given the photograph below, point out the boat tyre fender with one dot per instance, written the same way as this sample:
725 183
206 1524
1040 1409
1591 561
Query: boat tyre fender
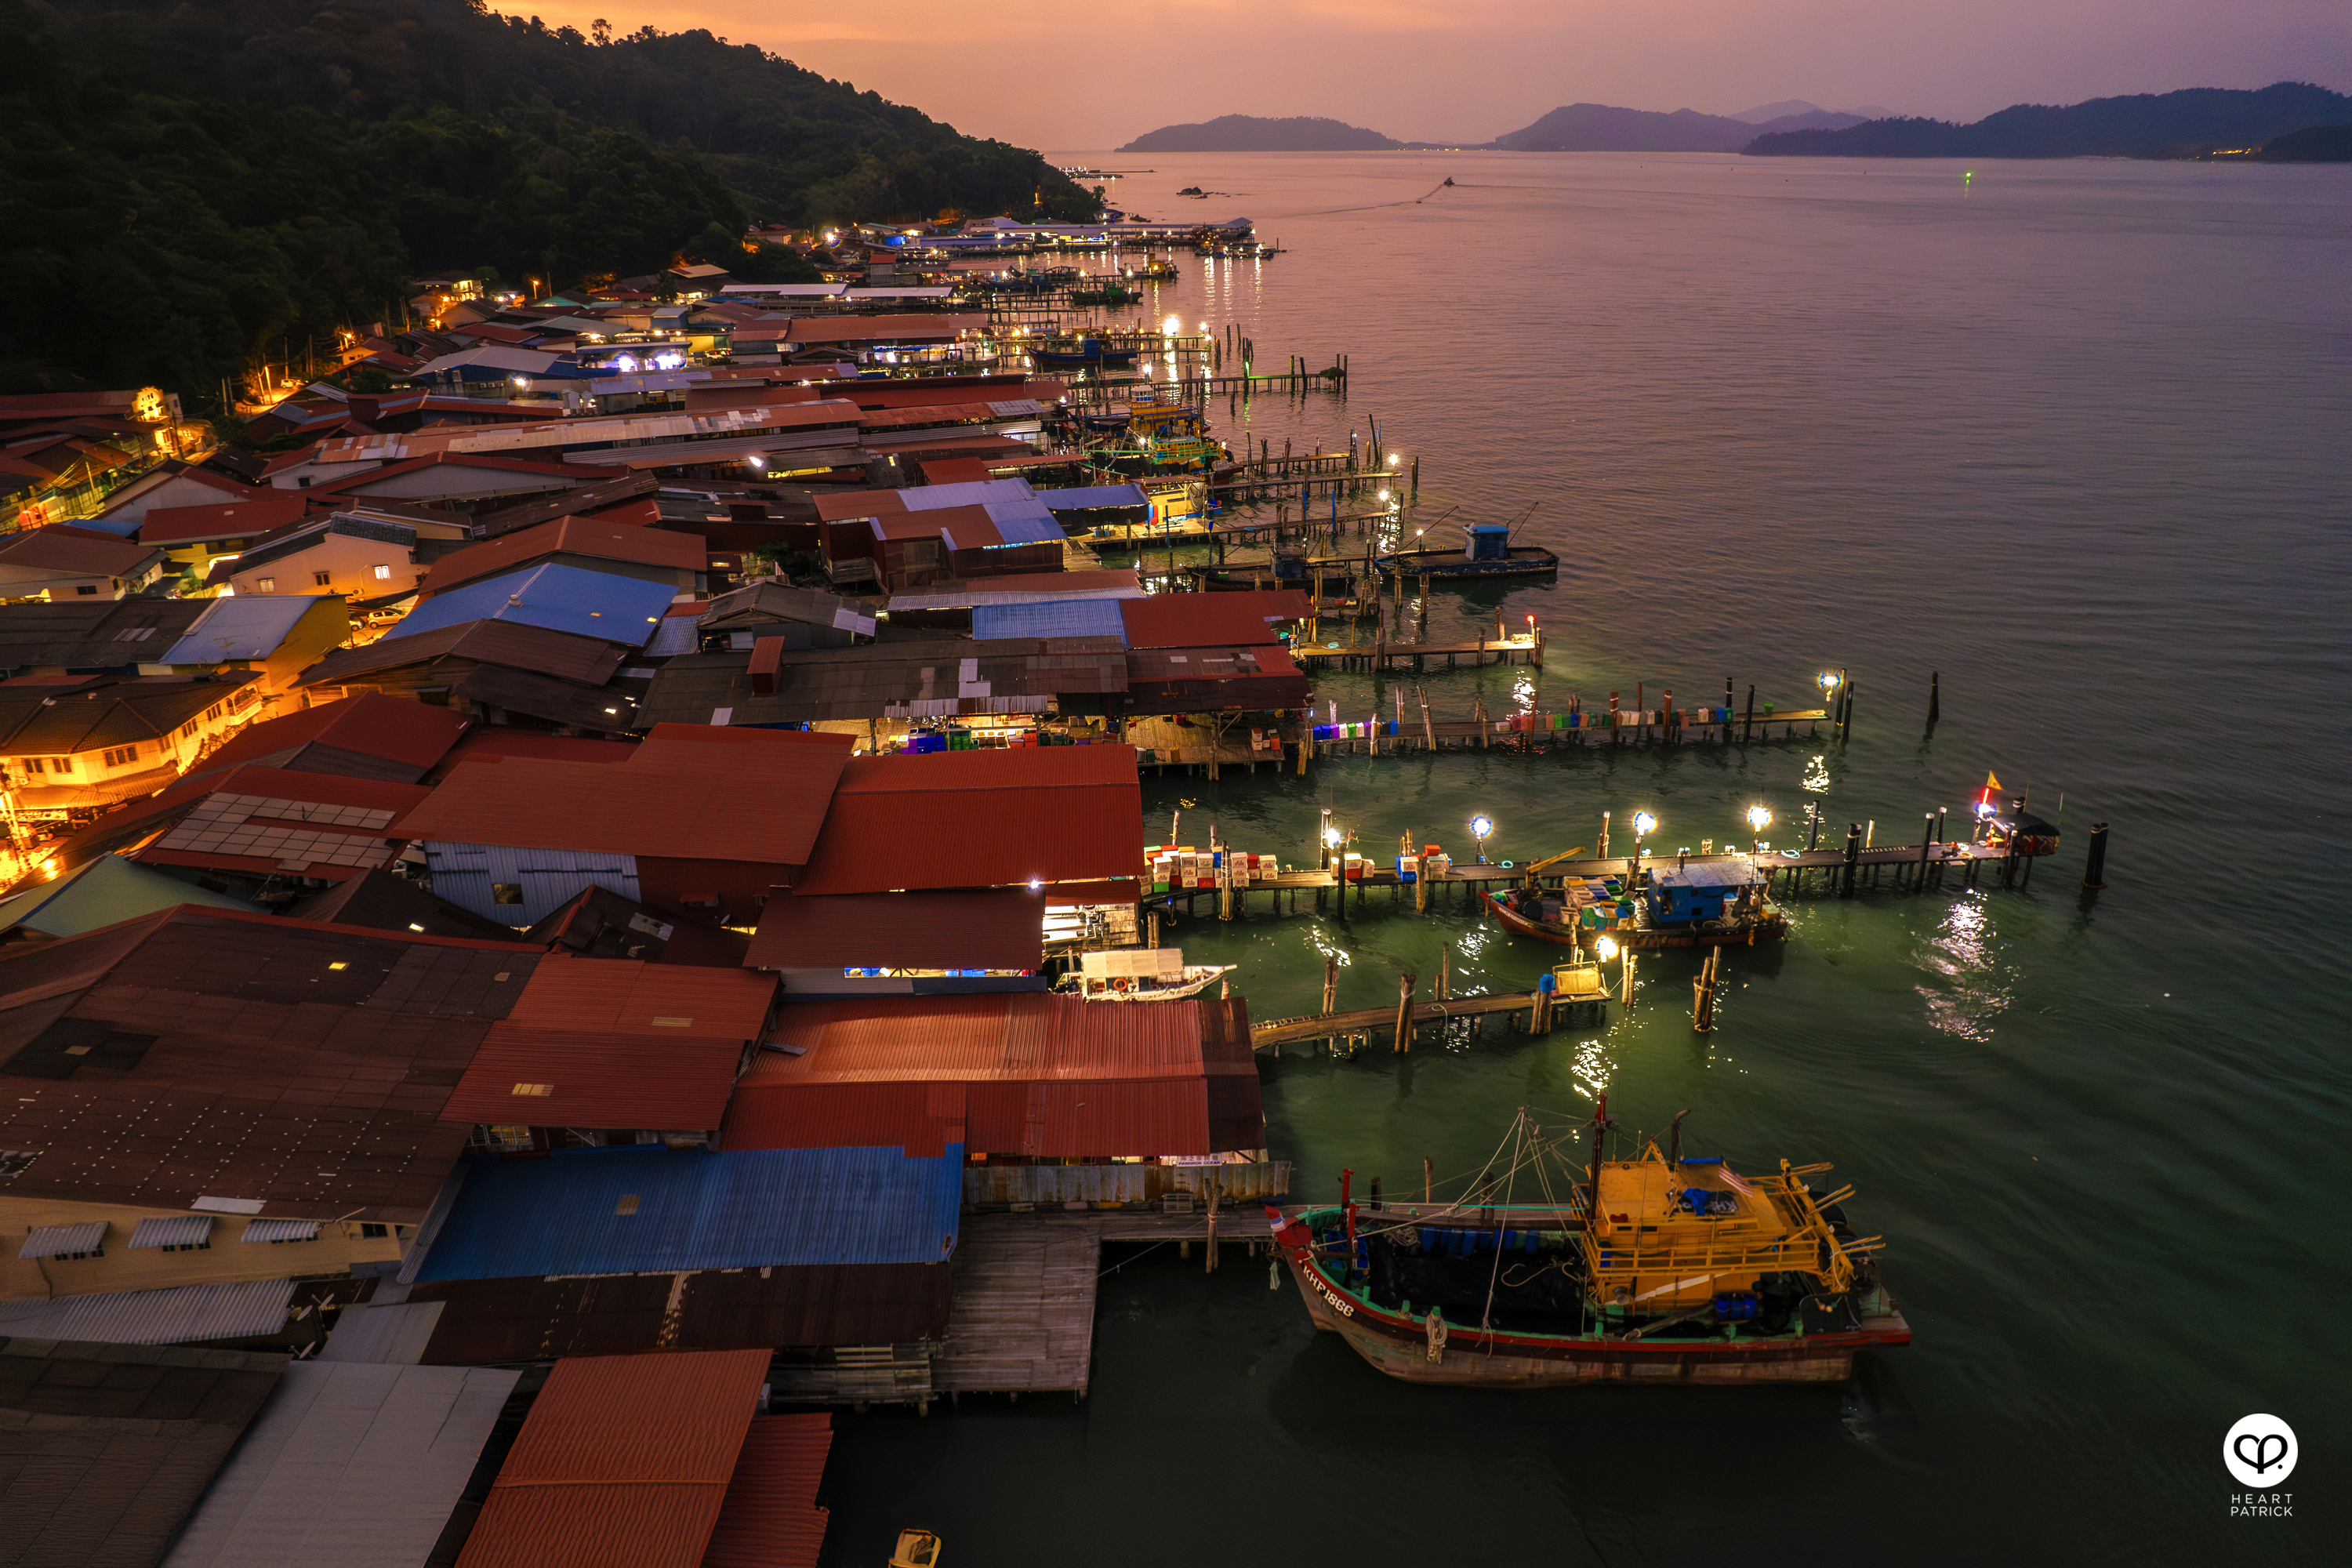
1122 983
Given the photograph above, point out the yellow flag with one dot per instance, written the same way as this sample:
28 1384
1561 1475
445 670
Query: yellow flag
1991 782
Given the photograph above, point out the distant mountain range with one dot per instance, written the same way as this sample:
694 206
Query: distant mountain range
1600 128
1249 133
1579 128
2182 124
2191 123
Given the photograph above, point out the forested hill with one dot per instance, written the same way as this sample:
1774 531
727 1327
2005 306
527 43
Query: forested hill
183 184
1250 133
2145 125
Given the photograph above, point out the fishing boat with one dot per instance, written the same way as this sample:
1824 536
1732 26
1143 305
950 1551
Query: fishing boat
1691 1272
1086 353
1111 292
1694 900
1487 551
1146 974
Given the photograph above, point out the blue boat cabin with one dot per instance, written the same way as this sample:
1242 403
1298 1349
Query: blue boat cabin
1696 891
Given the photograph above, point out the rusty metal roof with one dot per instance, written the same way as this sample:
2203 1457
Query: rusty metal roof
622 1458
1211 679
109 1447
202 1054
688 791
394 729
595 537
1011 1074
978 819
781 1307
895 680
539 649
1210 620
770 1519
601 924
1002 928
615 1043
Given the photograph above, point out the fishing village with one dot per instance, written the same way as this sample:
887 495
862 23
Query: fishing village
581 1060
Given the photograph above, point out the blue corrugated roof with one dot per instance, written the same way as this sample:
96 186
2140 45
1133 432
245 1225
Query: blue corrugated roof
1094 497
1042 529
247 626
561 598
1053 618
747 1209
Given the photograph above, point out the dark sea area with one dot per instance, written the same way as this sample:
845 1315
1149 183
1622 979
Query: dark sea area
2074 436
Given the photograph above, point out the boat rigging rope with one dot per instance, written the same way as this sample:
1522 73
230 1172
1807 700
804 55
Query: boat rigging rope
1486 1317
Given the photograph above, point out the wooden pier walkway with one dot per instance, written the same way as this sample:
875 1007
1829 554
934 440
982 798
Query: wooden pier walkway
1024 1316
1383 655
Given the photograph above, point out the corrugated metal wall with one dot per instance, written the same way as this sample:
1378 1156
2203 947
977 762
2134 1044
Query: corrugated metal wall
468 874
995 1186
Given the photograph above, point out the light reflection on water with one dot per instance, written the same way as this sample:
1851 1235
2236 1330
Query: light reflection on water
1961 953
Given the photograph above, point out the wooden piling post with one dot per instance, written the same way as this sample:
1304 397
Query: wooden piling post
1747 725
1935 697
1331 976
2095 869
1151 928
1405 984
1445 973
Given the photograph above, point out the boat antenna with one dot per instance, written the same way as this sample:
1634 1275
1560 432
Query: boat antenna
1522 523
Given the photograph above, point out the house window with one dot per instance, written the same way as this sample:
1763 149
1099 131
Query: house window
266 585
87 588
120 756
369 1231
187 1247
33 764
321 577
499 1136
506 892
190 728
213 712
383 573
61 765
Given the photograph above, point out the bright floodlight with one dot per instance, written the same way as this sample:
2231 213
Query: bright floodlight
1394 459
1036 883
1482 825
756 461
1759 817
1829 681
1331 836
1605 949
1644 823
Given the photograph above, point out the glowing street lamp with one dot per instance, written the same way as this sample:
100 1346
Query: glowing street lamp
1759 818
1481 825
1644 826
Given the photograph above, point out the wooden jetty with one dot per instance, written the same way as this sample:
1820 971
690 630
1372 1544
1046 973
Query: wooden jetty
1385 655
1022 1320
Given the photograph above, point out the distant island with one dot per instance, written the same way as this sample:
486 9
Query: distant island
1250 133
2318 144
1603 128
2193 123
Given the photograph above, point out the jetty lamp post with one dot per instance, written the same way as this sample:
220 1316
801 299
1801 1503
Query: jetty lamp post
1644 826
1481 825
1604 949
1758 819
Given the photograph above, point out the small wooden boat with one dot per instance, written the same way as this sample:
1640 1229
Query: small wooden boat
916 1549
1146 974
1659 1268
1561 920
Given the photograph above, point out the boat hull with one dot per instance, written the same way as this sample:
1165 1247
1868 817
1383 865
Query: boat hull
1398 1346
1744 934
1449 565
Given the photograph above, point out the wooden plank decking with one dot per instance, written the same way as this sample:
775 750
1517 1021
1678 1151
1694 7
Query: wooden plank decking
1024 1319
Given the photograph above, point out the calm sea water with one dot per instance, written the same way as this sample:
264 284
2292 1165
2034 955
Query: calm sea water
2077 436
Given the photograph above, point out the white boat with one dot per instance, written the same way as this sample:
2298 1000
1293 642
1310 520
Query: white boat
1140 974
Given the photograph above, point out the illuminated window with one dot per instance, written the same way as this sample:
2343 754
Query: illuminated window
266 585
61 765
383 573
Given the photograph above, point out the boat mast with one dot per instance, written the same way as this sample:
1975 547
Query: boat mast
1592 1186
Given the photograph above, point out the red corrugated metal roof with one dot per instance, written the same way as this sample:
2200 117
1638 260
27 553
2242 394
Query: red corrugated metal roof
770 1519
498 741
395 727
576 1077
1013 1037
233 520
978 819
1093 1120
629 995
999 929
688 791
1209 620
624 1460
600 538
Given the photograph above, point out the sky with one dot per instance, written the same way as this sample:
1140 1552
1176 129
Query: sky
1086 75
